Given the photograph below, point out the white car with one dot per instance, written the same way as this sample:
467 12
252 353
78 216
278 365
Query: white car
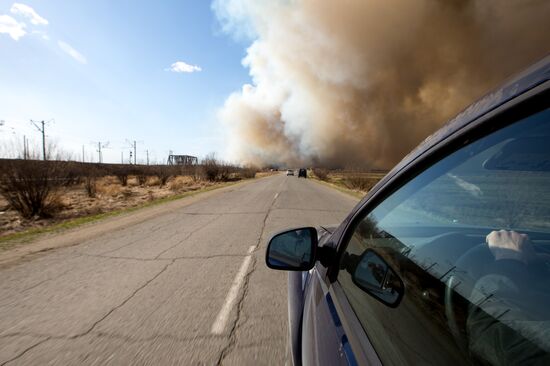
290 172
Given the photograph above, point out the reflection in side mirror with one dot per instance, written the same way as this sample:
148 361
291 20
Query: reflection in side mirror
374 276
292 250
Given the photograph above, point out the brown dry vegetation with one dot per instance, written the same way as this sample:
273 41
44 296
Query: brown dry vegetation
355 180
34 193
110 195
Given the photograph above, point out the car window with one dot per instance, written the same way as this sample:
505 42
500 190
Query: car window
467 246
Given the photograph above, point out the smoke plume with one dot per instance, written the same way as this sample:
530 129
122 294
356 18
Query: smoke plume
361 82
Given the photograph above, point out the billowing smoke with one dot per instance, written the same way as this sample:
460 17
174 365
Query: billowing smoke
361 82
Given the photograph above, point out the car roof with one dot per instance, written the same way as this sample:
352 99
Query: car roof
519 84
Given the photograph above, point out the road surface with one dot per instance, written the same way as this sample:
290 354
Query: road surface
186 286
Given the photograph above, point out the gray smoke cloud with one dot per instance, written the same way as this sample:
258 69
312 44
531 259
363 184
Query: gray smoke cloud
361 82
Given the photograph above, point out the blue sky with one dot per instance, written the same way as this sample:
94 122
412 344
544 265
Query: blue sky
101 70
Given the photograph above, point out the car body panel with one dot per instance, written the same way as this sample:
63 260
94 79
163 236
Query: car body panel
321 326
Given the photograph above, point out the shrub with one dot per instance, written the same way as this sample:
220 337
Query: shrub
90 185
32 187
224 173
178 183
359 182
214 170
141 178
210 168
194 172
122 174
248 173
322 174
163 173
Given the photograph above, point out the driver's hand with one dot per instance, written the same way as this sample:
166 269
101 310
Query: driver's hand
510 245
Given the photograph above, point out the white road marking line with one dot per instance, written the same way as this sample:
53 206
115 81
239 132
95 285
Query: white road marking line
219 324
276 195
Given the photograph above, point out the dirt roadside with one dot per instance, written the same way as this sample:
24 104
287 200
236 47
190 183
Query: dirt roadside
41 243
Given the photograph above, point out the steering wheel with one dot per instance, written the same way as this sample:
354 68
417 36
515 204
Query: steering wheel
469 268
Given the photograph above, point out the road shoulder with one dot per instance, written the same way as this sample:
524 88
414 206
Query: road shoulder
31 247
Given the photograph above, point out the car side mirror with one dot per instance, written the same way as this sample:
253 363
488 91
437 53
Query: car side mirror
292 250
374 276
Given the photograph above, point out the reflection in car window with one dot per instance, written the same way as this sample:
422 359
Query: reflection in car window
470 239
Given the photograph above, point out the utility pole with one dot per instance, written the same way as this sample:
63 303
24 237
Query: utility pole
147 152
133 145
99 147
24 147
40 126
122 157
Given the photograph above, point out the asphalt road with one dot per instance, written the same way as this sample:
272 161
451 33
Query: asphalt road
186 286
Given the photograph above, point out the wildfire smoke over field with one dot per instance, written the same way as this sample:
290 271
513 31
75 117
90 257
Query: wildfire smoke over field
361 82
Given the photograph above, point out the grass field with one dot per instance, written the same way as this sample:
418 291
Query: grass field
357 183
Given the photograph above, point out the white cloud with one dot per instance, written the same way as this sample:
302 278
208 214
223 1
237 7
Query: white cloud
28 12
180 66
41 34
12 27
72 52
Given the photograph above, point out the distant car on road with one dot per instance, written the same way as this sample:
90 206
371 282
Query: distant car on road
302 173
447 259
290 172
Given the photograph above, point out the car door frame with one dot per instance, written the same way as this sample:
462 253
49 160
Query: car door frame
509 111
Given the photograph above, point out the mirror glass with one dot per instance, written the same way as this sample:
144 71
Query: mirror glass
374 276
292 250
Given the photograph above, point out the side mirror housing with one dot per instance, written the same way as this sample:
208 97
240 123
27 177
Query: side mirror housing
374 276
292 250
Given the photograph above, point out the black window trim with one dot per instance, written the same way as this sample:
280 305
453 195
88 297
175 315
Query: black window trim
531 101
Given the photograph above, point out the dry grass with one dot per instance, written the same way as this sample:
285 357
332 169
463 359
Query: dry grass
321 173
359 181
105 193
127 193
133 181
266 174
110 179
180 182
106 188
152 182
